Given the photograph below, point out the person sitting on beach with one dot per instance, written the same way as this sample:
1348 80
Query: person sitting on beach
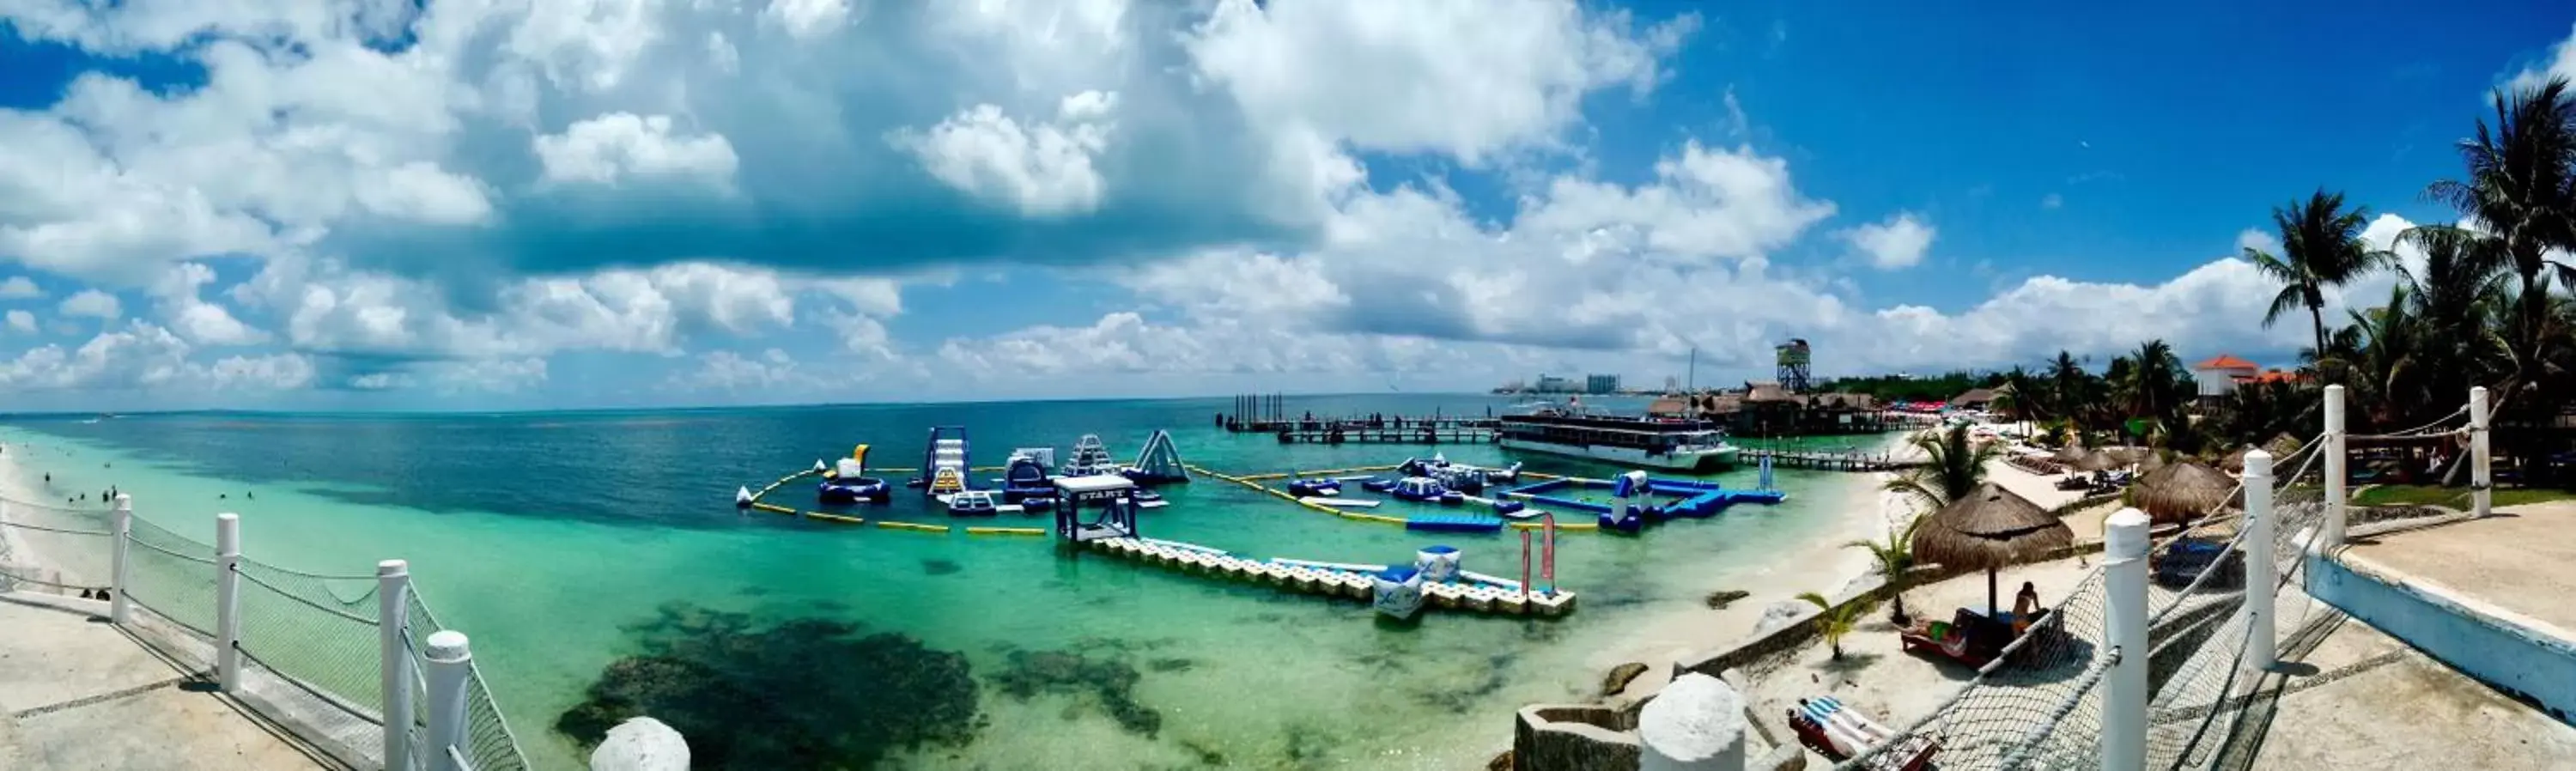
2025 605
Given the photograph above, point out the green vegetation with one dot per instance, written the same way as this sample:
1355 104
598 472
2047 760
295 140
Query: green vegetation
1892 558
1892 388
1834 621
2452 497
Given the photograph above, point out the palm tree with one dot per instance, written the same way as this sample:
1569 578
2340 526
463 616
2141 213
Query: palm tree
2157 382
2321 248
1893 557
2458 298
1832 622
2521 188
1952 467
2070 388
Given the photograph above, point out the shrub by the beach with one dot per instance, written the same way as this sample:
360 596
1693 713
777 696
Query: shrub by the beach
803 693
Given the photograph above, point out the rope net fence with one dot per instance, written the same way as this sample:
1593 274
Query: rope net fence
54 549
2039 704
489 744
316 633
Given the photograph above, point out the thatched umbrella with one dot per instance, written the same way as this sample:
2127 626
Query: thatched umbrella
2182 492
1987 529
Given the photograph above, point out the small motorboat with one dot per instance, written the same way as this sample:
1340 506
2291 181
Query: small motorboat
972 503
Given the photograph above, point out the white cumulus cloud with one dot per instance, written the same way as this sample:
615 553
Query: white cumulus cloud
91 303
1900 242
623 145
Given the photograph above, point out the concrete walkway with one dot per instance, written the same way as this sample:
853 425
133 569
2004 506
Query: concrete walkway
77 694
2518 560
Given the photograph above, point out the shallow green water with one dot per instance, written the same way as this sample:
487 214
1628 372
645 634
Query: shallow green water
544 536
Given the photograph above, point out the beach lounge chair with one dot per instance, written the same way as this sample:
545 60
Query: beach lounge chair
1969 637
1839 732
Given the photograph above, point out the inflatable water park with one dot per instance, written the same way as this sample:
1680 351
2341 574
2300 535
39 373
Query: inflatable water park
1097 503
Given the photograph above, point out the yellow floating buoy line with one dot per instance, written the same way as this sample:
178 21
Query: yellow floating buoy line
916 527
1006 531
835 518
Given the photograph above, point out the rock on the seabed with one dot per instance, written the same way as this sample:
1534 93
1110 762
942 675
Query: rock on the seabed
1620 676
641 744
1718 600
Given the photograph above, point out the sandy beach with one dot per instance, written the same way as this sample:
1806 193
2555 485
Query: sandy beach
1823 563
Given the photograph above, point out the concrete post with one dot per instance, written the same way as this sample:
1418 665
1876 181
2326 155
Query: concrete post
393 616
2330 532
118 575
2124 583
1696 723
228 601
2481 459
451 663
2260 522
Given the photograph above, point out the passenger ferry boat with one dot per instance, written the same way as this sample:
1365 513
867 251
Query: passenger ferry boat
1658 443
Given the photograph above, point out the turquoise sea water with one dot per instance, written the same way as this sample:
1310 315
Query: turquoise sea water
549 536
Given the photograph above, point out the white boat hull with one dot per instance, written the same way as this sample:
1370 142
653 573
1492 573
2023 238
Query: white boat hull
1684 460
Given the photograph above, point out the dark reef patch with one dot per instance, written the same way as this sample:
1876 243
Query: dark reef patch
802 693
940 567
1108 679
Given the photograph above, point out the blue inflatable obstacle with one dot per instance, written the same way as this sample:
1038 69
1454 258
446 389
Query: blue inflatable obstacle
1638 500
1026 480
847 482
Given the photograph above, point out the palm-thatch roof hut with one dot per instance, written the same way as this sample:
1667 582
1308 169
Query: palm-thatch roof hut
1987 529
2183 492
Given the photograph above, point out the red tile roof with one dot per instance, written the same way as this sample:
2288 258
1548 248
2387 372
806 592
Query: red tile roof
2225 361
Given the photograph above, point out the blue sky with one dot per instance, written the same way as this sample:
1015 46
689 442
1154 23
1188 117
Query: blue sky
387 204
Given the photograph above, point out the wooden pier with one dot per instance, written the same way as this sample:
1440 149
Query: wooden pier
1825 461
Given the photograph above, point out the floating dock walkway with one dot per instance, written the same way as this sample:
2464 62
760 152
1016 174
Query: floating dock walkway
1826 461
1476 593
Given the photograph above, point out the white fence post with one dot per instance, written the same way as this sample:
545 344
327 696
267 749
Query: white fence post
2330 532
2124 582
393 616
451 662
2481 457
228 601
2260 521
117 574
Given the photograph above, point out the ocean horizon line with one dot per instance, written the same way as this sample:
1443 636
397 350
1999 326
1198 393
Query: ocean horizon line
83 414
